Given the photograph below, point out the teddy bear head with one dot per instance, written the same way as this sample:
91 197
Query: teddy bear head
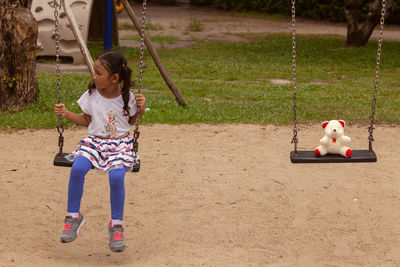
334 128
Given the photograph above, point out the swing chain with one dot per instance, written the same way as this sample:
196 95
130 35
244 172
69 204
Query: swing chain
60 126
295 129
378 61
141 63
141 66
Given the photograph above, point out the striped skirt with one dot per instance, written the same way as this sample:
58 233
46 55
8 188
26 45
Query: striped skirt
107 154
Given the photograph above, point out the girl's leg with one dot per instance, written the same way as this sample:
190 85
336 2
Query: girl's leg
79 169
117 193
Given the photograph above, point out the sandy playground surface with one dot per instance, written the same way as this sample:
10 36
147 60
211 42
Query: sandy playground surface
208 195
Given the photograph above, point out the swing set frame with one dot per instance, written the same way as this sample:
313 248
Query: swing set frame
357 155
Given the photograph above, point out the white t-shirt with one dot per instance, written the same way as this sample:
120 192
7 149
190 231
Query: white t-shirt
107 114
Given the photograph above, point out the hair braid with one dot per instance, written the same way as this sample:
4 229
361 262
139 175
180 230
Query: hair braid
125 92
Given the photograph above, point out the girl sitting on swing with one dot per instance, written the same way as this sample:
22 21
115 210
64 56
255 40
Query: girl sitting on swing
108 111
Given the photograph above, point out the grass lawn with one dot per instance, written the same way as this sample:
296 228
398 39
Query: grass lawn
156 38
225 82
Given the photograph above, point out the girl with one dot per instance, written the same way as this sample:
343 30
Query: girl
108 111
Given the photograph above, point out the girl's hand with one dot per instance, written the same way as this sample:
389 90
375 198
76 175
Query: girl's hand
141 103
60 110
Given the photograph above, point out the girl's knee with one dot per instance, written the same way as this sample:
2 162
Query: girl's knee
117 177
81 166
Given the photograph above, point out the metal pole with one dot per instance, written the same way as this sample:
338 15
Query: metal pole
155 56
108 25
78 36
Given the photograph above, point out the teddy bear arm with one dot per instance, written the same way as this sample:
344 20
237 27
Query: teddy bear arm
345 139
324 140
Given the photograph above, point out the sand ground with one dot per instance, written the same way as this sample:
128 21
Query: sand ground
208 195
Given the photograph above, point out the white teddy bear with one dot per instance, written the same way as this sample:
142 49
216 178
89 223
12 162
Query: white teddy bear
334 140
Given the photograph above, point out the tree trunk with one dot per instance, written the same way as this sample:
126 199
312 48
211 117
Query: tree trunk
18 34
359 36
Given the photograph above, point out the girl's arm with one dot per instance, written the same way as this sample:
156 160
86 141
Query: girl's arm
141 104
80 119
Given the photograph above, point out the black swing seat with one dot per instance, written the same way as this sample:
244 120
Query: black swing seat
310 157
63 162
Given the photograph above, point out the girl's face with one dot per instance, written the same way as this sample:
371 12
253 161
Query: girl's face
102 78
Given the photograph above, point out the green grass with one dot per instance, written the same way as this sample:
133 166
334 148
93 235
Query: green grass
126 26
229 83
196 24
149 26
156 38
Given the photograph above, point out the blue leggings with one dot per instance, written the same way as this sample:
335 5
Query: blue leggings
116 177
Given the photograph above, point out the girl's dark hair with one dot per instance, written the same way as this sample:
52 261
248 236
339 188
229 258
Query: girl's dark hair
115 63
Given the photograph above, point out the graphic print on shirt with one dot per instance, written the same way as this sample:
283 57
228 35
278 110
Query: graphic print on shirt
111 129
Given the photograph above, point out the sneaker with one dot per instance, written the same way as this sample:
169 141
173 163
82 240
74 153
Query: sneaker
71 228
117 242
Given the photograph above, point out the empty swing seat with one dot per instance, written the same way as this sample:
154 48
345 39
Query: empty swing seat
63 162
310 157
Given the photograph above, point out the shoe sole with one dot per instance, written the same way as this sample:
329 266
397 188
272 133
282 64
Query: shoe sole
77 231
80 226
117 249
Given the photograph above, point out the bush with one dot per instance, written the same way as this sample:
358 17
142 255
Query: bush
395 16
332 10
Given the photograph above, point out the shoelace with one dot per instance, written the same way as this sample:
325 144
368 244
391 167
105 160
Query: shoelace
67 226
118 236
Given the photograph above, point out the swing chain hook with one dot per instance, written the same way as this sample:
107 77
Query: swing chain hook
136 144
378 62
295 129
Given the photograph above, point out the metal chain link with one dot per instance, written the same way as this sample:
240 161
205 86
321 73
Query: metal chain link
141 61
295 129
141 66
378 62
60 126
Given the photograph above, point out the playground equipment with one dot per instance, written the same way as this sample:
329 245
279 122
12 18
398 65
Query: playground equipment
119 6
69 47
60 158
358 155
74 31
